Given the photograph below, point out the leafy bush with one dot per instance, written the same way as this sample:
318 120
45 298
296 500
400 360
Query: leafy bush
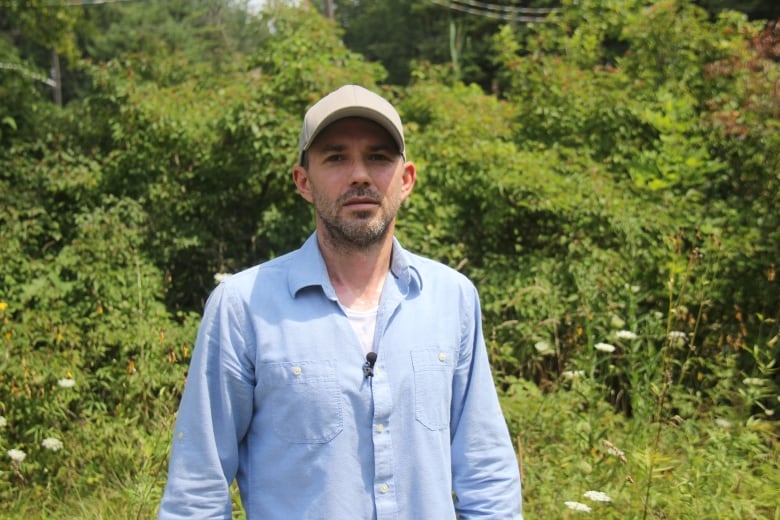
90 353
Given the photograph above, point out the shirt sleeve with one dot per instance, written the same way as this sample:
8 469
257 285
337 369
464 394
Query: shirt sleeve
214 414
486 477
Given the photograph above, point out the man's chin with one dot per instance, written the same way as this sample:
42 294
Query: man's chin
362 214
359 236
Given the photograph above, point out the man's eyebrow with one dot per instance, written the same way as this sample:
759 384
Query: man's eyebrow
373 148
333 148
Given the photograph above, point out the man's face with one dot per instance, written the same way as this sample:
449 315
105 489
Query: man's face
356 180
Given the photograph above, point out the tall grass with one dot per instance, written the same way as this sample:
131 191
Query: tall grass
656 425
570 441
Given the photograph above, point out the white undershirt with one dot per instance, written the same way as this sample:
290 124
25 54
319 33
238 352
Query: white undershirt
364 325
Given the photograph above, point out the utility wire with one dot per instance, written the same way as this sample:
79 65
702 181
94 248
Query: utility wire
505 8
497 11
95 2
28 73
77 3
91 2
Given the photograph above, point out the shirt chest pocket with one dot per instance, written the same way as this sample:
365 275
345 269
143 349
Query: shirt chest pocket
302 400
433 369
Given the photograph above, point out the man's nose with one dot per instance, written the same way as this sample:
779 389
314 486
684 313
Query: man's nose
359 172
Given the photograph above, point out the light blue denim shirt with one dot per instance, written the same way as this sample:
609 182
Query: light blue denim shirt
276 398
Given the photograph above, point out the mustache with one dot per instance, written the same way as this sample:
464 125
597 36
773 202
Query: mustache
360 192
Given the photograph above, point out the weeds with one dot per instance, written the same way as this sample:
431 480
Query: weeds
651 415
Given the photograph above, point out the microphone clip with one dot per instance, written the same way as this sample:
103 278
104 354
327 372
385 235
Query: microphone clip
368 366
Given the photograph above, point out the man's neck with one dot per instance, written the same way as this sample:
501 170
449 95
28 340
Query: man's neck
358 274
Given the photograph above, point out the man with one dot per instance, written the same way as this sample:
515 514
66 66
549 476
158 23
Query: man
348 379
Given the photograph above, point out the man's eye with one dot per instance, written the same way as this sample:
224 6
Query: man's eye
379 157
334 158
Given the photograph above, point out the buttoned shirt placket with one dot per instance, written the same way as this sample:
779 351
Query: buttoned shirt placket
385 496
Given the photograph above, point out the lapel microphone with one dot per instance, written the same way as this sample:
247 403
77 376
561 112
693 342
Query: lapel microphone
368 367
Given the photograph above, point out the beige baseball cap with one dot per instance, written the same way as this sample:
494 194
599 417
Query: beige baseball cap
350 101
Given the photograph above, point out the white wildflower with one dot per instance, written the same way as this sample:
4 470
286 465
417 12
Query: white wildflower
66 383
625 334
16 455
677 337
51 443
577 506
769 412
543 348
753 381
597 496
723 423
3 422
572 374
635 289
604 347
221 277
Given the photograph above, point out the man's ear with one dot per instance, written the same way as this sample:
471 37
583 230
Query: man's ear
301 179
409 177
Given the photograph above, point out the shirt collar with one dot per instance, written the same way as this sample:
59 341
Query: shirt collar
310 271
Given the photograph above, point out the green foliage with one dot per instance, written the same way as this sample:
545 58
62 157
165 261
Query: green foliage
22 83
88 347
417 29
649 128
205 31
46 24
307 58
570 442
615 203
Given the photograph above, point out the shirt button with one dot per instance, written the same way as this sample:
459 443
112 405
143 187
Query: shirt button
384 488
297 371
442 356
380 427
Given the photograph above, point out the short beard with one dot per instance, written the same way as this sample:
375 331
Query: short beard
362 233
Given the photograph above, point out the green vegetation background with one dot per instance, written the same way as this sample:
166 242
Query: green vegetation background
608 175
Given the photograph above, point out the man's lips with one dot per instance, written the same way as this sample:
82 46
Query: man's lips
361 203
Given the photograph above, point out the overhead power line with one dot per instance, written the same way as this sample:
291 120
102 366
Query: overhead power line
509 13
79 3
505 8
28 73
95 2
